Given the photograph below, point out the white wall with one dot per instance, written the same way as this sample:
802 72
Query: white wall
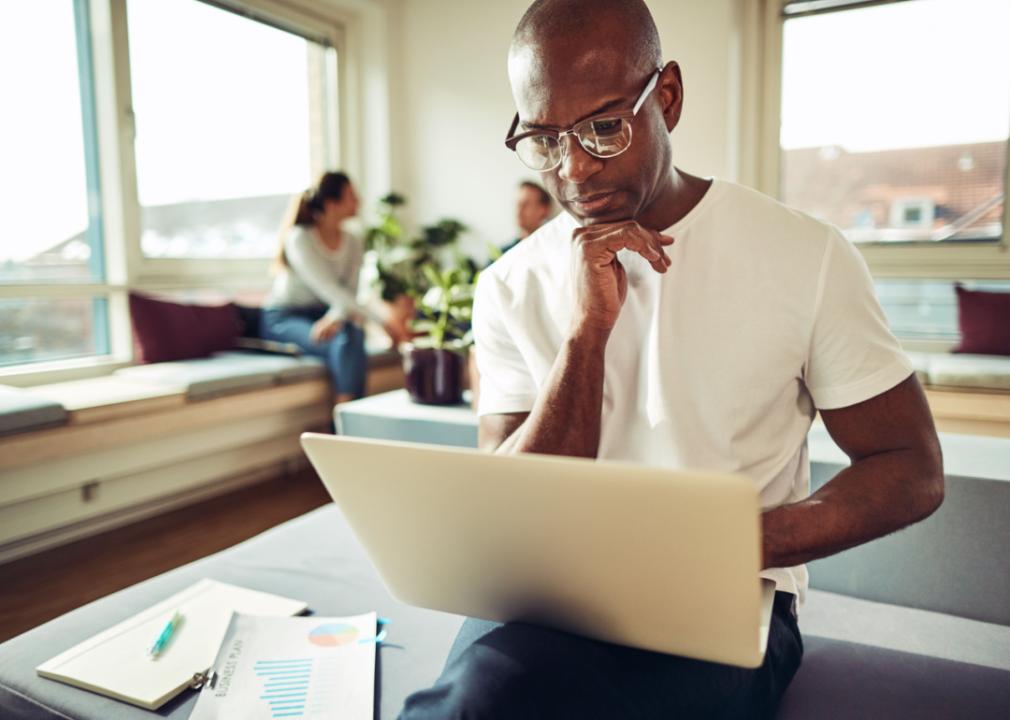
452 105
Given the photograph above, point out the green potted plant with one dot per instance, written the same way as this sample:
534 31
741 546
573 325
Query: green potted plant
434 362
399 261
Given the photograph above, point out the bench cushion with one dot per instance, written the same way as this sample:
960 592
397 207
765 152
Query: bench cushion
920 363
234 371
22 410
202 378
285 368
840 679
108 398
990 372
910 630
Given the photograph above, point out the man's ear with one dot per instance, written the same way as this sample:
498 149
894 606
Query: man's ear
671 93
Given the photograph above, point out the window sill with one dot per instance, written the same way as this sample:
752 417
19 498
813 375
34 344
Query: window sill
61 371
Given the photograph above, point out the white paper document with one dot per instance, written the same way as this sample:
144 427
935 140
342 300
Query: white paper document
117 663
305 667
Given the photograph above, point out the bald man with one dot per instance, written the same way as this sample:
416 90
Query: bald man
682 322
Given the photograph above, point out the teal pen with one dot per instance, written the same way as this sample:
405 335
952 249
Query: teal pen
165 636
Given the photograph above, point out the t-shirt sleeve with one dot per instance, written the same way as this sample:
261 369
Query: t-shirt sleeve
506 384
853 355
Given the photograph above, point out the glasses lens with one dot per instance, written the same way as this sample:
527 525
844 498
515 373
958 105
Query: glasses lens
605 137
539 152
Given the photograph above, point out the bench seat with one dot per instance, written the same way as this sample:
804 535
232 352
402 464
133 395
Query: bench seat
24 410
840 680
140 389
956 370
202 378
108 398
932 664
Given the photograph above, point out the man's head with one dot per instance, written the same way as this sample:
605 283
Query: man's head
575 59
532 207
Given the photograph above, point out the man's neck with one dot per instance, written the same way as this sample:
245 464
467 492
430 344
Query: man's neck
674 200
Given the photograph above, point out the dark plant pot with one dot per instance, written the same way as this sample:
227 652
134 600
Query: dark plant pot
434 377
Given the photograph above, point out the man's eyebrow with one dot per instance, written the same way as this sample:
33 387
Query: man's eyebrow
602 108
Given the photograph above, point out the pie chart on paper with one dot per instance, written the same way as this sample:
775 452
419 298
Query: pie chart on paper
333 634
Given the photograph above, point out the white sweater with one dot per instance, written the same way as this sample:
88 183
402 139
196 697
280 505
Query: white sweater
318 276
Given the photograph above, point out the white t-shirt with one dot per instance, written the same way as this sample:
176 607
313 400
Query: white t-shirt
764 316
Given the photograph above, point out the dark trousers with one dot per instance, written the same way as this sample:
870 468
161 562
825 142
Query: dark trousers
524 671
344 353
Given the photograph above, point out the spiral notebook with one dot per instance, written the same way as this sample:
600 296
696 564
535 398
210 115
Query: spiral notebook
116 662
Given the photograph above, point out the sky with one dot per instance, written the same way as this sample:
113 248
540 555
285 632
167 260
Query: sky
910 74
221 108
221 101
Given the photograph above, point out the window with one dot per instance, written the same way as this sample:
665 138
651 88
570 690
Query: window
158 153
46 329
895 116
913 213
51 222
227 125
51 257
925 311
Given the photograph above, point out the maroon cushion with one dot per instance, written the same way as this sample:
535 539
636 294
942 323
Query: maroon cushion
984 318
165 330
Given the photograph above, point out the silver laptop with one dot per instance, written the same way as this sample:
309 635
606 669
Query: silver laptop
654 559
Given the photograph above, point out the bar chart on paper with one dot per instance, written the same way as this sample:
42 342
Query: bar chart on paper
313 668
286 686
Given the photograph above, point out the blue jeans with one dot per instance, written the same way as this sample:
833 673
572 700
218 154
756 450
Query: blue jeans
525 672
344 353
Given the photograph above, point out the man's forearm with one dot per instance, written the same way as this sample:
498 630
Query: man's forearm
566 417
875 496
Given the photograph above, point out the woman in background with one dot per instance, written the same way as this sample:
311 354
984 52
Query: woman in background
313 303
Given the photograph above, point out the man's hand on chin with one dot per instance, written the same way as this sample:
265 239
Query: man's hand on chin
599 279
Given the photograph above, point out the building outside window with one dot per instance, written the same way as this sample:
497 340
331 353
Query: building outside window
895 119
49 187
894 125
226 131
224 115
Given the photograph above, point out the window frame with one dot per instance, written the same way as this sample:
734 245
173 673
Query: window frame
761 86
109 347
124 267
160 271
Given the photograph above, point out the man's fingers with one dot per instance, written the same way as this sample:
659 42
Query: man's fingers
631 236
664 241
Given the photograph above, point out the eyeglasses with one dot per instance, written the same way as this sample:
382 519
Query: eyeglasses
605 136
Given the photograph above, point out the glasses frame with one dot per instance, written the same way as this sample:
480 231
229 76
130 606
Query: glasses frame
511 140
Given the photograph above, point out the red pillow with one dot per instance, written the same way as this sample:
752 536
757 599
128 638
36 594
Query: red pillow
165 330
984 318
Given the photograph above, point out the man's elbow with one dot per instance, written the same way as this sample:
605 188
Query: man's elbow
929 485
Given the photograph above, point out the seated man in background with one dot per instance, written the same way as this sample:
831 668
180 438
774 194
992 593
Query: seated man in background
680 322
533 207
